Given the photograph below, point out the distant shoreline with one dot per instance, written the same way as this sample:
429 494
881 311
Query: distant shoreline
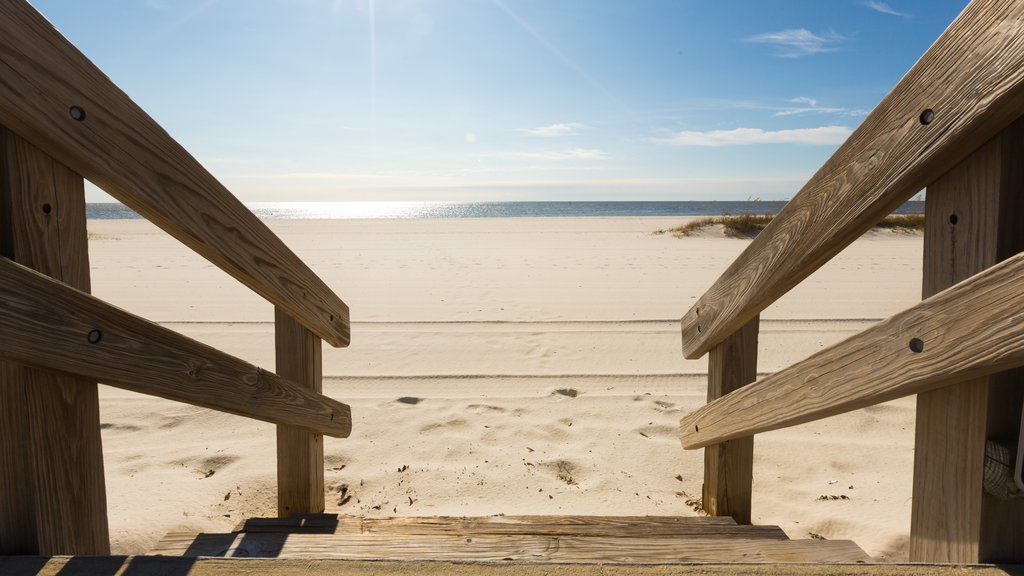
450 210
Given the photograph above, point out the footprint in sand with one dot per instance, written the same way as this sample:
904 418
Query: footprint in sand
339 461
553 432
486 409
565 470
209 466
411 400
172 422
569 392
454 424
215 463
119 427
658 431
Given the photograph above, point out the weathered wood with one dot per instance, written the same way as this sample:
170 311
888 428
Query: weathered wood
509 547
614 526
729 466
973 80
300 453
971 329
973 220
52 495
117 146
176 565
44 323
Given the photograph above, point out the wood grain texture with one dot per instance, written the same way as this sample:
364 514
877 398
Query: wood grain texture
1002 528
125 152
973 79
178 566
46 323
729 466
614 526
969 330
973 220
52 493
510 548
300 453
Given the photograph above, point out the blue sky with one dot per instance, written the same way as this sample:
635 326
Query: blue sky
323 100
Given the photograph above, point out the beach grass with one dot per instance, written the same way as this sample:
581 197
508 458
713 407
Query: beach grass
750 225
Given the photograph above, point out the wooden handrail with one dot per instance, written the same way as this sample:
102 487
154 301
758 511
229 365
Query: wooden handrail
966 88
54 97
45 323
969 330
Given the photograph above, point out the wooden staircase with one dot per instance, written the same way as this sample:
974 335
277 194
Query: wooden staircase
555 539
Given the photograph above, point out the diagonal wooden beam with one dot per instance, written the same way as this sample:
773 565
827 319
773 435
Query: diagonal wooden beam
972 329
965 89
54 97
48 324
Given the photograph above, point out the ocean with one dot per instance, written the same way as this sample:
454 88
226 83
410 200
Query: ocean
435 210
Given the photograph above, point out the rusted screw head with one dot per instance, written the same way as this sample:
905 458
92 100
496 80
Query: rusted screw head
916 345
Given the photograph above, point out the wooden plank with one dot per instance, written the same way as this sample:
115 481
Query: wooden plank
969 330
510 548
1002 528
17 499
52 495
617 526
342 524
117 146
729 466
171 565
299 523
45 323
973 80
300 453
590 527
973 220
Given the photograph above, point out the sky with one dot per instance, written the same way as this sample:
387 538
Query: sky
504 100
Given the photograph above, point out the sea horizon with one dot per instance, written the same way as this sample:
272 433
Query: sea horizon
513 209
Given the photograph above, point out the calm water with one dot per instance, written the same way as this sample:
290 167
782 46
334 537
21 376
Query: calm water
392 210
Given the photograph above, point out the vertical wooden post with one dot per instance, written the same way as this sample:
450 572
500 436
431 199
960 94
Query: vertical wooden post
52 496
300 453
729 466
973 220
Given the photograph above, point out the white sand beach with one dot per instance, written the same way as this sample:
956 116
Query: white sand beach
503 366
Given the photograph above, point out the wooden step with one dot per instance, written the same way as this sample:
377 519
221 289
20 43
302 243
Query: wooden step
168 565
617 526
559 539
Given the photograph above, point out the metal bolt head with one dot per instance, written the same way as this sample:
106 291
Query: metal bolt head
916 345
77 113
95 336
927 116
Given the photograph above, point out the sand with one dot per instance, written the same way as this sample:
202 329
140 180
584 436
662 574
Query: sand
516 366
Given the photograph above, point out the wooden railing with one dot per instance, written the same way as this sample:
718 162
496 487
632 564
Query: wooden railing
61 119
950 126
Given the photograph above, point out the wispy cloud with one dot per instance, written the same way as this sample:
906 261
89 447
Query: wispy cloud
822 136
184 17
807 105
571 154
799 42
552 130
557 52
884 8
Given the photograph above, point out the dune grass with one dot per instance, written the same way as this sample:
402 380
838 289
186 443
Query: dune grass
750 225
